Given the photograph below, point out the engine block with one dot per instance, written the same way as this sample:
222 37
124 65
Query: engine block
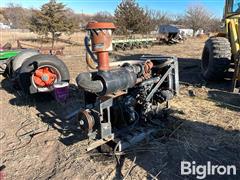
122 98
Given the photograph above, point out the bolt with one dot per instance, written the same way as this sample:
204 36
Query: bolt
81 122
44 77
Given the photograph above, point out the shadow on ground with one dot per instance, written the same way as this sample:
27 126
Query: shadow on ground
225 99
181 139
50 111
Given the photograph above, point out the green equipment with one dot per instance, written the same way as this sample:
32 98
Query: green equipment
8 54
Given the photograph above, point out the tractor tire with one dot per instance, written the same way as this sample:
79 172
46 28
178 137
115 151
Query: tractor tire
216 58
21 57
29 67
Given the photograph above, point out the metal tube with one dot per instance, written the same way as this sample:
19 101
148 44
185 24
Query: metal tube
84 81
103 61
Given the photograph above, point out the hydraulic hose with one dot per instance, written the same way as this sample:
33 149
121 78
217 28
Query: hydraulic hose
90 58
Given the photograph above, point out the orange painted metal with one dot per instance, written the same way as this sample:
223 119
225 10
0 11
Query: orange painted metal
42 50
101 38
44 77
101 41
100 25
103 64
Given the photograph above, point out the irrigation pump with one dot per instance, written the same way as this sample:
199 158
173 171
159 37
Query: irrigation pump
123 97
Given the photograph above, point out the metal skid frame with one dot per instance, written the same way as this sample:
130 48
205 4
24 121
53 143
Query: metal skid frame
172 73
104 103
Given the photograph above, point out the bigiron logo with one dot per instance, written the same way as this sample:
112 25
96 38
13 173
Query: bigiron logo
202 171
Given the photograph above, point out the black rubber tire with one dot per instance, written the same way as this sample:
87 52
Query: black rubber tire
216 58
33 63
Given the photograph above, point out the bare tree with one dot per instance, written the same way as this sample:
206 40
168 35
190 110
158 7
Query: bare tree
158 18
83 19
17 16
178 19
2 17
215 25
103 16
197 17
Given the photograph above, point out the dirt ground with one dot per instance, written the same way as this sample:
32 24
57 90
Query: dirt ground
37 142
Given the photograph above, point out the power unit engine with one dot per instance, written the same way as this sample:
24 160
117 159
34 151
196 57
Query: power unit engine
122 97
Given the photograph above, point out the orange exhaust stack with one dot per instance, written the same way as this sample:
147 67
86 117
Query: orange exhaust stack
101 38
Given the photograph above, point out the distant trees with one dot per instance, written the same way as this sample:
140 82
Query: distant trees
52 19
215 25
178 19
198 17
2 17
158 18
103 16
130 17
17 16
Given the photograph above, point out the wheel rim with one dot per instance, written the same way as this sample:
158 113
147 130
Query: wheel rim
44 77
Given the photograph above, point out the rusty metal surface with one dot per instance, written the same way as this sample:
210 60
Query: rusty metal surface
148 65
103 61
113 95
99 143
101 40
42 50
52 51
100 25
86 120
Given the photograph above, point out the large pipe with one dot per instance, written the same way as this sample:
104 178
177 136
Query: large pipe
105 82
85 82
103 64
116 80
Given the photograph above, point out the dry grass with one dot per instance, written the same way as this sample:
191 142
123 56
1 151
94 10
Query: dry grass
205 130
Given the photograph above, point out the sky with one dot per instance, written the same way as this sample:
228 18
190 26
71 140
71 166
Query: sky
92 6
